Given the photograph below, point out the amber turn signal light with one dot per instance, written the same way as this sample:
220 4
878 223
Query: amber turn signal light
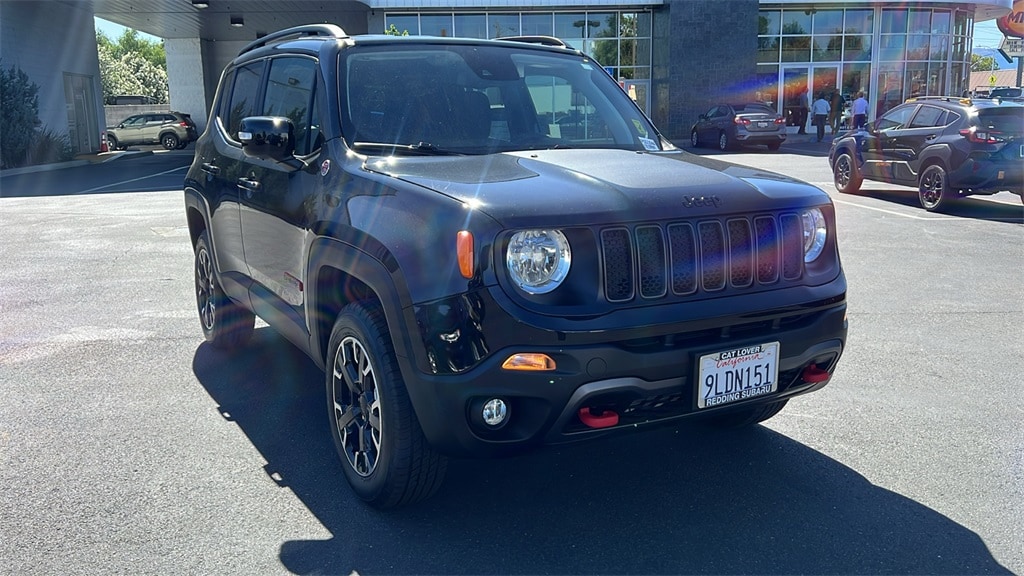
529 362
464 250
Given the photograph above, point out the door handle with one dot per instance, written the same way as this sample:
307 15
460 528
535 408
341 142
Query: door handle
248 184
210 168
931 137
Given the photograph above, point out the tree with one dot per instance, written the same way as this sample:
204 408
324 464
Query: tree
19 115
980 63
132 65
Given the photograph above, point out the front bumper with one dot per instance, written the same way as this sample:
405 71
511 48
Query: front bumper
645 379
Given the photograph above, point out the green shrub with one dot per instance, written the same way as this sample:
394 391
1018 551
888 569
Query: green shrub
18 115
48 147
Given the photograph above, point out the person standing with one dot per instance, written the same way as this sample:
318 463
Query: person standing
859 108
801 112
820 110
835 118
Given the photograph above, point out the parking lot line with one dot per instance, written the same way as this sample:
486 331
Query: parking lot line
113 184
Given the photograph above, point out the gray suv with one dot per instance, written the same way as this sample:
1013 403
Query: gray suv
172 130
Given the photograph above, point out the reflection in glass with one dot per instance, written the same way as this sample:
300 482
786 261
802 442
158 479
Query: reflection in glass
828 48
918 47
894 21
436 25
796 48
858 48
892 47
828 22
538 24
471 25
860 21
768 49
796 22
499 25
768 22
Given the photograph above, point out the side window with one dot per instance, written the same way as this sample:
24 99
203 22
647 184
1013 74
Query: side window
928 116
243 95
290 89
134 121
895 118
711 112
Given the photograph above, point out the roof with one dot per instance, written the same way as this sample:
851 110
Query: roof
981 80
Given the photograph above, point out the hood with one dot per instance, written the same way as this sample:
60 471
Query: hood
587 187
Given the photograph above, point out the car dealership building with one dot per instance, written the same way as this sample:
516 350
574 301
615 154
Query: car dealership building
676 57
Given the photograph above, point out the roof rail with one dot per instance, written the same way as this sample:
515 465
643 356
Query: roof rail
959 99
320 30
543 40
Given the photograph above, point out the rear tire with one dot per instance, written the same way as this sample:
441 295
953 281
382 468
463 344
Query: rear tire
933 189
723 142
748 417
384 454
169 141
226 324
845 176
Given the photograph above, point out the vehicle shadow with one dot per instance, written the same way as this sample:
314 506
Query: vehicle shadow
970 207
669 501
799 148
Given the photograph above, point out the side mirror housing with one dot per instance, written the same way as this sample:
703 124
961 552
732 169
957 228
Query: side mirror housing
267 138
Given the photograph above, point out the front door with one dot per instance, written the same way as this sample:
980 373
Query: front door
801 84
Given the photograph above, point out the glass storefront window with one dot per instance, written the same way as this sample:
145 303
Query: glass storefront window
607 27
856 77
634 52
635 25
768 49
471 25
940 48
606 52
796 48
962 24
828 48
638 73
537 25
766 87
860 21
889 91
796 22
919 21
937 79
403 23
894 21
940 22
916 79
570 25
436 25
857 48
918 47
892 47
499 25
768 22
828 22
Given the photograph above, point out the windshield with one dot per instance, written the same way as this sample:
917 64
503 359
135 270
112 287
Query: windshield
477 99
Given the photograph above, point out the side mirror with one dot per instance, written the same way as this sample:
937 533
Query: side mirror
267 138
703 117
121 125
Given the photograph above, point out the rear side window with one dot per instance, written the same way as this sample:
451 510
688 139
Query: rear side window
243 95
290 89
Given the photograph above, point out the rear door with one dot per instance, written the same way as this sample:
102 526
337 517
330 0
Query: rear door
925 129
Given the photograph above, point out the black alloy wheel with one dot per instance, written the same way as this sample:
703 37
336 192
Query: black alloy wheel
845 176
933 189
169 141
226 324
694 139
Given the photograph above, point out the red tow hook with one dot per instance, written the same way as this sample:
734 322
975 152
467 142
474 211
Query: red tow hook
594 419
813 375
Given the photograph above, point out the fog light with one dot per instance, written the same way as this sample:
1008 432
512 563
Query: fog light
495 411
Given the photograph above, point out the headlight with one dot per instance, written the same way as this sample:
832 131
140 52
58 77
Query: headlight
815 233
538 260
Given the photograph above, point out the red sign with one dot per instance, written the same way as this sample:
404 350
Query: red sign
1013 23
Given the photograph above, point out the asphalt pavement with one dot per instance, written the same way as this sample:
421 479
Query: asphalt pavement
129 445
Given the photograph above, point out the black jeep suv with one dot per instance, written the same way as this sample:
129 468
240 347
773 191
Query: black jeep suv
946 147
488 247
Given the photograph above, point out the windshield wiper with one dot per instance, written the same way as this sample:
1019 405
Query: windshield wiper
424 148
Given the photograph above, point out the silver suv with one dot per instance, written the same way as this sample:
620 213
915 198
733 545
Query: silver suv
172 130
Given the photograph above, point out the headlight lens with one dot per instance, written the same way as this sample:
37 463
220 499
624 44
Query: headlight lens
815 233
538 260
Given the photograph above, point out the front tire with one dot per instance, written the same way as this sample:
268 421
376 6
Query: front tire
384 454
749 416
845 176
226 324
933 189
694 139
169 141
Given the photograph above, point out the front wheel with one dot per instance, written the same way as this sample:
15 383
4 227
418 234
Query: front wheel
226 324
694 139
112 143
933 189
385 457
169 141
749 416
844 174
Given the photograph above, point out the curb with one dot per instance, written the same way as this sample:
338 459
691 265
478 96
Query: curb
83 160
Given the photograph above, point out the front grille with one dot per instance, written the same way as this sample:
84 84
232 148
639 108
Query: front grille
652 261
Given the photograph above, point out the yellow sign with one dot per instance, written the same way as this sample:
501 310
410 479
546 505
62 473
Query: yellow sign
992 80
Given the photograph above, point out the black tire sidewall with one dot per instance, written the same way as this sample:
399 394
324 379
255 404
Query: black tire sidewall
694 139
169 138
232 325
723 141
855 179
945 198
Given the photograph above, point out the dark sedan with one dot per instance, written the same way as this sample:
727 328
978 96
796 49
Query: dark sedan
729 125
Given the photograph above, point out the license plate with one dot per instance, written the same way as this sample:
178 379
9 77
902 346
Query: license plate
762 124
738 374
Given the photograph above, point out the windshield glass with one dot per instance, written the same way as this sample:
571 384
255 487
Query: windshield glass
477 99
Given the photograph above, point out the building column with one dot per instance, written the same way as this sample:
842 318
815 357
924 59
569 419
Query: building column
186 79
